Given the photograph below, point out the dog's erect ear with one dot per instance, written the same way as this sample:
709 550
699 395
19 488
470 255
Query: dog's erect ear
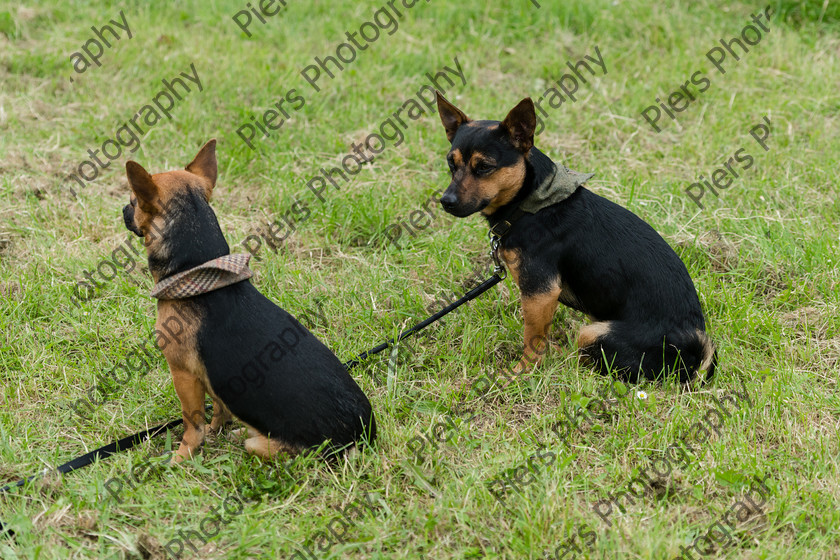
521 123
204 164
142 185
450 115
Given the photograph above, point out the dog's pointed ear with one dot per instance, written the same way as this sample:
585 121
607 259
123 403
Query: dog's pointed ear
521 123
204 164
450 115
142 185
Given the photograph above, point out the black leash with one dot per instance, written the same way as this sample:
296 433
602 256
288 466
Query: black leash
472 294
127 443
123 444
499 274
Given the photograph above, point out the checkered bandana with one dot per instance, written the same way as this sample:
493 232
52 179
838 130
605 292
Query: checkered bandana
204 278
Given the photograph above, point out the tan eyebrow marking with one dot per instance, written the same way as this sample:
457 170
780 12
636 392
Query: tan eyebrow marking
479 157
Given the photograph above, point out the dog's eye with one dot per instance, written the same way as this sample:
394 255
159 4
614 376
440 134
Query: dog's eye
451 167
484 168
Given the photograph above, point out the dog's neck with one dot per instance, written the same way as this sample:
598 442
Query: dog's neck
192 237
538 168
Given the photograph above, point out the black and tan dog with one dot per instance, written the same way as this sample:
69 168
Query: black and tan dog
563 243
253 358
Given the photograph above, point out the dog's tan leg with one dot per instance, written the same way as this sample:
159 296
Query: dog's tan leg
513 259
588 338
247 431
590 334
221 416
538 311
190 390
266 448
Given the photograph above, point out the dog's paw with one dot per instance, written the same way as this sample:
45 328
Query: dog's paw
212 430
524 366
181 455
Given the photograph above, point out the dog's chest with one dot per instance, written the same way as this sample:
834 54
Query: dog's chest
176 333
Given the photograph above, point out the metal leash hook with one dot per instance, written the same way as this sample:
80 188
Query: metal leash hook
499 268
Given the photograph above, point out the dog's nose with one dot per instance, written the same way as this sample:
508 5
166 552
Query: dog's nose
448 201
128 218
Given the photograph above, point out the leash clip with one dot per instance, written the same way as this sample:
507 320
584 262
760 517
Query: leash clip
495 241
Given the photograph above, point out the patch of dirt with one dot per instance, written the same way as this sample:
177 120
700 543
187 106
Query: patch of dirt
5 242
723 254
149 548
8 290
810 326
43 178
14 161
25 13
807 320
120 190
774 283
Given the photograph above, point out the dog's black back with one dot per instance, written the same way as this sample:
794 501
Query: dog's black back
276 375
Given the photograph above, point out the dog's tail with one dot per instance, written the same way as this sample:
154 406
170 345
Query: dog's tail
709 362
359 438
684 354
681 353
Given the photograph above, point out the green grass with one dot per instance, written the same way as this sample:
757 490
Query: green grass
763 258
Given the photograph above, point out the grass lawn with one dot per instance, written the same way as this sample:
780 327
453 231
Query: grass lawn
463 468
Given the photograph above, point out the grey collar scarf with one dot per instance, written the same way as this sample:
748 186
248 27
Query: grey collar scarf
554 189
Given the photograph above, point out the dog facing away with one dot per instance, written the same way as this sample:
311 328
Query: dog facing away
564 244
253 358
